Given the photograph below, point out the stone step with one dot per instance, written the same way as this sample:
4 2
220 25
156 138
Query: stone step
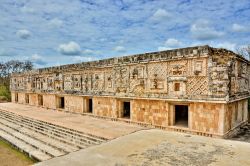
47 133
45 139
67 130
50 141
84 137
30 150
33 142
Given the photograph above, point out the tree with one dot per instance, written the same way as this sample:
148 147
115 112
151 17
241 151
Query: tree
14 66
244 51
6 68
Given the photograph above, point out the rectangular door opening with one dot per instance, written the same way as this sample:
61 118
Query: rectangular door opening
16 97
61 102
90 106
181 115
27 100
126 110
40 100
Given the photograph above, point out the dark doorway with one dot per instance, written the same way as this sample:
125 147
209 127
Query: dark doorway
27 100
61 102
90 106
16 97
40 100
126 109
181 115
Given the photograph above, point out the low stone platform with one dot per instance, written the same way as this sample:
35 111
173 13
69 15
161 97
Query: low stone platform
98 127
42 140
157 147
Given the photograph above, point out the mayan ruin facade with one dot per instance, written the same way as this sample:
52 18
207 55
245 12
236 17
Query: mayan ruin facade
200 90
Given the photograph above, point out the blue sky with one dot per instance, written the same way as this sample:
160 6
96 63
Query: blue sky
56 32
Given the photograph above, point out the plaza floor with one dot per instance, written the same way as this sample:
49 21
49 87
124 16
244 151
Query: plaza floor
87 124
157 147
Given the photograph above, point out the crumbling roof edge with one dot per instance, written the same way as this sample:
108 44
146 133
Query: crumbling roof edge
135 56
129 56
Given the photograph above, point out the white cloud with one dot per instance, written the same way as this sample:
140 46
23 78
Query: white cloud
83 59
23 33
162 48
226 45
90 52
103 39
55 23
170 43
26 9
202 30
119 49
71 48
37 59
239 28
161 14
6 53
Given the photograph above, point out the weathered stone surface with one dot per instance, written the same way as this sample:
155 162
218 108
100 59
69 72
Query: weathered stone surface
155 147
207 80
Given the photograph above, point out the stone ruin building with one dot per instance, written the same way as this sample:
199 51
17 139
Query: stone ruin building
200 90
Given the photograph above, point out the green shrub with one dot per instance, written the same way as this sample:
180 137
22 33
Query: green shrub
4 93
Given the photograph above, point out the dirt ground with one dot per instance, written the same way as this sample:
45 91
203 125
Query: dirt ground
12 157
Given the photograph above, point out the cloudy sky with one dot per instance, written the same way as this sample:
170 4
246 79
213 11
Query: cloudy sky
55 32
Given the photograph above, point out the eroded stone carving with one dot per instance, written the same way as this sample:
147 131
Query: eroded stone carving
193 72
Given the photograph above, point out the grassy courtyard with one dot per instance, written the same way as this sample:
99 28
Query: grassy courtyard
9 156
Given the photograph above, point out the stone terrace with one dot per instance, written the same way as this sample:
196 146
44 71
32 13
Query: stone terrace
95 126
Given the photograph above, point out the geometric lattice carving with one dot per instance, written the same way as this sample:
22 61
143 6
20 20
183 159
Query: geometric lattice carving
157 68
139 90
67 82
197 86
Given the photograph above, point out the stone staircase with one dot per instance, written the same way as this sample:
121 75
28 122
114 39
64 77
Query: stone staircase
42 140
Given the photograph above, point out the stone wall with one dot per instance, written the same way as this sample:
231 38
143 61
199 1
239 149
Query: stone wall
21 98
236 113
153 112
33 99
175 74
106 106
199 73
215 118
13 97
74 103
207 117
49 101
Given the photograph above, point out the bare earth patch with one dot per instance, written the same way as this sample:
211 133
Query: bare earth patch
10 156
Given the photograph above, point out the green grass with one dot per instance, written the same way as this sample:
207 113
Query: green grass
4 93
16 153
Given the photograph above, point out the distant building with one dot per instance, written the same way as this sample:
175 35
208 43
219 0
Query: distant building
199 90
